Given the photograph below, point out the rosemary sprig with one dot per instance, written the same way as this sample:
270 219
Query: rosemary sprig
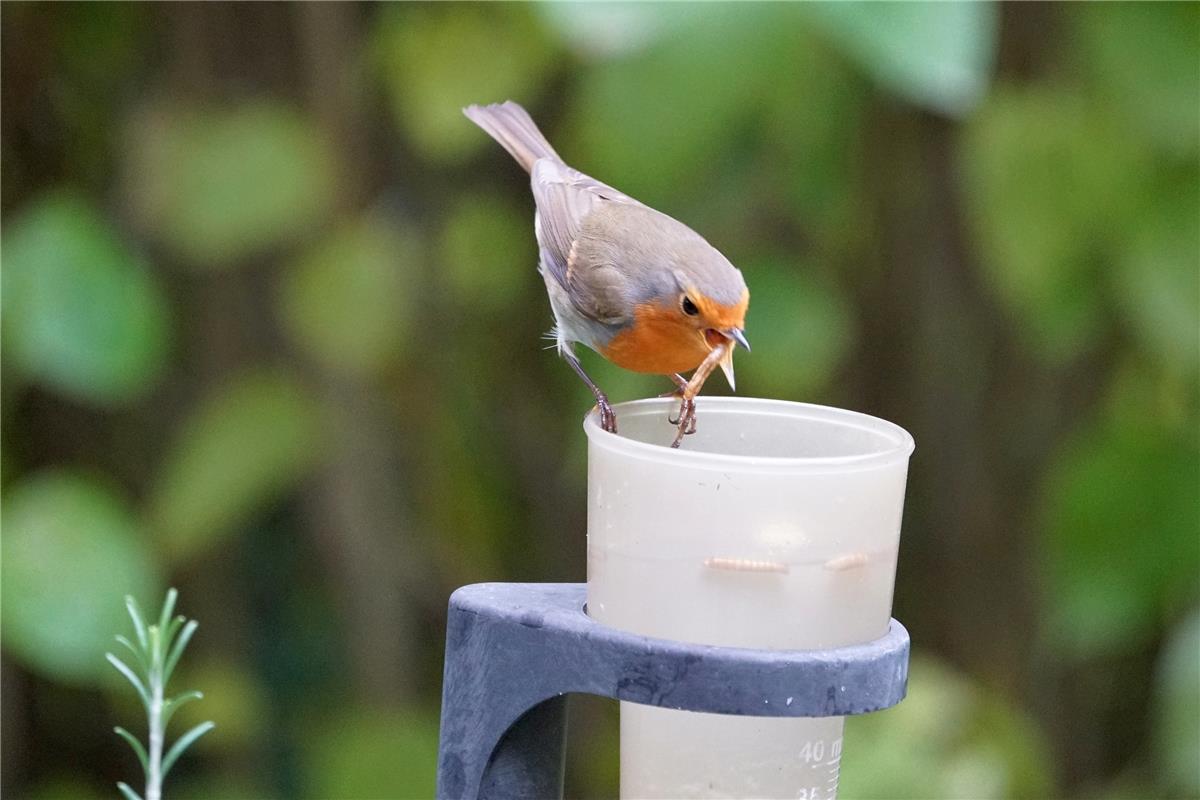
156 653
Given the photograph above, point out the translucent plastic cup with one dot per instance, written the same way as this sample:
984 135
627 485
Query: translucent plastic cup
776 525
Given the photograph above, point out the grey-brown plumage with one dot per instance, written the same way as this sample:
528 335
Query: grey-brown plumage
515 130
640 288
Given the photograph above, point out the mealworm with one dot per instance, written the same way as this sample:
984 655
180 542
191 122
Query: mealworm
745 565
847 561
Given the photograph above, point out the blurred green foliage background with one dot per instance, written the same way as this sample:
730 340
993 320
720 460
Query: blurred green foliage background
271 334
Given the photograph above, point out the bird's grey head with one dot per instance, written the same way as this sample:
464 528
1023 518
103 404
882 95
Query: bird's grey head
680 260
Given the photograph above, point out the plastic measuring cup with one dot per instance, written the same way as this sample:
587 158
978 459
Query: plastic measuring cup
776 525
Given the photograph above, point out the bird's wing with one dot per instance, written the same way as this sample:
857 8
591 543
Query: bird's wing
565 197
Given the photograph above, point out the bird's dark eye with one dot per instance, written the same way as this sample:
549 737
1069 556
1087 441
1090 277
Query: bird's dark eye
689 307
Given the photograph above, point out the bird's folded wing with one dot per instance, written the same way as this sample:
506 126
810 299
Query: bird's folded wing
565 197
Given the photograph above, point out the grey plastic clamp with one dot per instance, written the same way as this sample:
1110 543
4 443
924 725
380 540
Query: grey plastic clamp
515 650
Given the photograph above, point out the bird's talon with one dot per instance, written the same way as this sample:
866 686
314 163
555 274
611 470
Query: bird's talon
684 411
608 418
675 418
685 420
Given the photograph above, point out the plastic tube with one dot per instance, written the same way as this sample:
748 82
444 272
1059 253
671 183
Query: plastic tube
776 525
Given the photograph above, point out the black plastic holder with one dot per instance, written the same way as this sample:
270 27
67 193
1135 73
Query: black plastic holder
514 651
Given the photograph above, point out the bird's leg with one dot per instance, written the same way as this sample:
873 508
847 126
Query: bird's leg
685 406
687 421
608 419
680 385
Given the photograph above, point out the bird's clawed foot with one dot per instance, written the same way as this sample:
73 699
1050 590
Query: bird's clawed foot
608 418
686 408
681 385
686 420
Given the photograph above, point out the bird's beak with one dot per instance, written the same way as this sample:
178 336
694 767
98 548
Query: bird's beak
738 335
727 367
732 336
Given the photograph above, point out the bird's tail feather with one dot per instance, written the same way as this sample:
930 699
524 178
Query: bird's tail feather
514 129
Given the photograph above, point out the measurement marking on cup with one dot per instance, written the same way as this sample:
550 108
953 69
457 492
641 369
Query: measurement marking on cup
823 756
746 565
813 750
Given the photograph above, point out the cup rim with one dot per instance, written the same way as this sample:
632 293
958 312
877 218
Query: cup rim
900 443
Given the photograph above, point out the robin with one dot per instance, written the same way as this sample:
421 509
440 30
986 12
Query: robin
640 288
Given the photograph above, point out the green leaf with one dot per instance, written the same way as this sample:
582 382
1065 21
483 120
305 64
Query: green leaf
1140 60
174 704
610 30
139 621
800 330
71 550
245 445
164 617
138 749
100 47
813 161
1122 522
137 654
949 739
1052 187
349 299
937 55
182 743
178 648
156 646
127 792
132 677
658 123
98 51
173 628
488 252
1177 707
81 312
461 499
370 753
435 60
221 185
1157 279
232 694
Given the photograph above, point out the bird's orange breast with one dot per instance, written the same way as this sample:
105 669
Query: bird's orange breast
657 341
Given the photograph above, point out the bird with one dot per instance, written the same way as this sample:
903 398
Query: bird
638 287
